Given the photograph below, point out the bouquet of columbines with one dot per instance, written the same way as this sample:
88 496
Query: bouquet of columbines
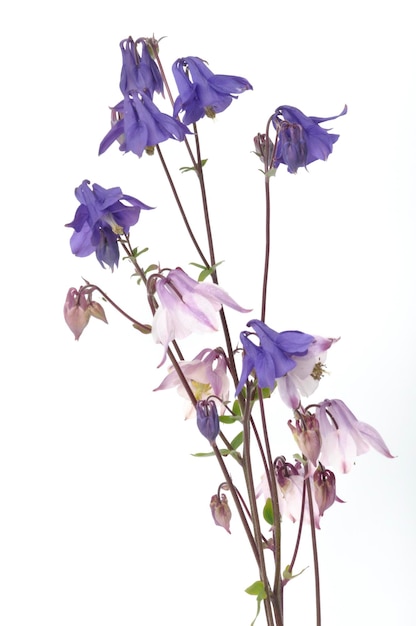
228 384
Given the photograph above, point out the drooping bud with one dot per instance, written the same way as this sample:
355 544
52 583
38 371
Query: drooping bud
325 488
308 437
207 419
76 311
96 310
221 512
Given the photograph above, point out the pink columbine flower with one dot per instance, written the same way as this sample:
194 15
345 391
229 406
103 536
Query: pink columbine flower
76 311
207 376
290 482
305 377
344 437
187 306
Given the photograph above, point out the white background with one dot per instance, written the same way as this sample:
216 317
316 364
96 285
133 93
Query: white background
104 514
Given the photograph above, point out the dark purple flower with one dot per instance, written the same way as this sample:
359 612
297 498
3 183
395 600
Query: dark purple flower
139 125
271 359
100 219
201 92
300 138
139 73
207 419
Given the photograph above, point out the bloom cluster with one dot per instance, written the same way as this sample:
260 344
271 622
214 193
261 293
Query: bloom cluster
221 392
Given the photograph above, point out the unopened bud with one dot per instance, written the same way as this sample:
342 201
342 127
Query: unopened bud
76 311
221 512
325 488
207 419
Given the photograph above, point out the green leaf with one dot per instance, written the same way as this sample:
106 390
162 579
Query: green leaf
192 169
228 419
151 268
287 574
257 589
236 408
268 512
237 441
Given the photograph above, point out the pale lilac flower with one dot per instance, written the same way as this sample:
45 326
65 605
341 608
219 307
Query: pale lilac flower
187 306
303 379
206 375
290 483
344 437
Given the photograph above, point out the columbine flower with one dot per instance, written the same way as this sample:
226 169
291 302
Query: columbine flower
139 73
139 125
290 485
201 92
186 306
78 309
100 219
273 358
300 138
207 419
206 375
304 378
344 437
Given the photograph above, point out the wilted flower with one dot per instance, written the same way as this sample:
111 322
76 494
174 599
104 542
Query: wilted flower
300 138
264 148
139 73
344 437
201 92
206 374
207 419
273 357
139 125
221 512
100 219
304 378
187 306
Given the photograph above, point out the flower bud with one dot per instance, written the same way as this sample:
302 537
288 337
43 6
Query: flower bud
325 492
221 512
308 437
264 148
96 310
76 311
207 419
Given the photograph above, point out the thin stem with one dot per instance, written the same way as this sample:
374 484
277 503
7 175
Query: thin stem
266 249
180 207
277 586
248 473
237 502
315 554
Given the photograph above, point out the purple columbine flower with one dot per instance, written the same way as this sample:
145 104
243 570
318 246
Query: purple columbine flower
273 357
138 125
344 437
207 419
100 219
186 306
201 92
139 73
300 138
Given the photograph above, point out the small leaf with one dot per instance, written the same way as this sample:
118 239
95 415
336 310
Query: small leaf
268 512
228 419
237 441
256 589
192 169
287 574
